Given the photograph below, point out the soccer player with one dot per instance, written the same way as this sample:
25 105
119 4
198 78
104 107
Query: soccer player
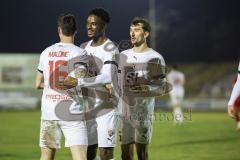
101 51
177 79
53 66
233 107
136 122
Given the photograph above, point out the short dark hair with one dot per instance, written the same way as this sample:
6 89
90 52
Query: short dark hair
67 23
145 24
100 12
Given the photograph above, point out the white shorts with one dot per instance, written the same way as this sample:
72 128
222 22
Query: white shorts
103 130
75 133
129 133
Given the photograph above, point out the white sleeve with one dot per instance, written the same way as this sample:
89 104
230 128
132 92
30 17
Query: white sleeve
236 89
163 63
106 72
40 64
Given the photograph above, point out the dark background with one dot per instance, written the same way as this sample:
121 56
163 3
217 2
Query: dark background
188 30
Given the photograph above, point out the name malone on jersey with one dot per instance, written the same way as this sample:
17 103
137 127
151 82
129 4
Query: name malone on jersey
58 54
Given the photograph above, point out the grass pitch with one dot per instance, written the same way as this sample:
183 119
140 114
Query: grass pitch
208 136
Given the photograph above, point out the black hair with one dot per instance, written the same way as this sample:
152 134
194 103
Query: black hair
145 24
67 23
100 12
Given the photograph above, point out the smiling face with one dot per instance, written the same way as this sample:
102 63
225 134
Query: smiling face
95 26
138 35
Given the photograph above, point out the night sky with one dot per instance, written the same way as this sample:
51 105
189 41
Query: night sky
188 30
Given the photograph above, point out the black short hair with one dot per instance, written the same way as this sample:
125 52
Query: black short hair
145 24
100 12
67 23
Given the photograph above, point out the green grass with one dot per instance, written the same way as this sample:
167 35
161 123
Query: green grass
208 136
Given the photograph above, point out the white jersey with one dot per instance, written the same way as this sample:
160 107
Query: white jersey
236 89
177 79
55 63
102 61
102 65
144 106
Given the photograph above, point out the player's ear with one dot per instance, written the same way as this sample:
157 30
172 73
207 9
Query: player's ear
75 33
146 34
59 30
103 26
